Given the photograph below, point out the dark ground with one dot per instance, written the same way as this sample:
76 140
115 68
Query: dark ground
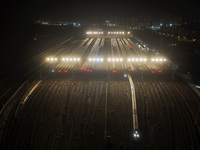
20 45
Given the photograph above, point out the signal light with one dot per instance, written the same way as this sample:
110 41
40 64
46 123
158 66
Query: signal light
114 71
159 71
85 69
59 70
65 70
153 71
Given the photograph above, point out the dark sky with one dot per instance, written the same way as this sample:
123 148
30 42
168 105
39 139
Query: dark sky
65 9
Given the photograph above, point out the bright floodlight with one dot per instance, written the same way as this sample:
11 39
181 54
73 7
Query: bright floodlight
137 59
108 32
95 59
117 59
70 59
63 59
52 59
89 32
78 59
158 59
121 59
122 32
129 32
108 59
113 59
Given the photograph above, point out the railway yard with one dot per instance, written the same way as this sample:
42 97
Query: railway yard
86 96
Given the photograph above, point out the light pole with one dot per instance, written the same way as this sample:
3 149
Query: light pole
40 74
174 68
173 75
197 116
142 75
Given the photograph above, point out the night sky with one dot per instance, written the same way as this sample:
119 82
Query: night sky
95 9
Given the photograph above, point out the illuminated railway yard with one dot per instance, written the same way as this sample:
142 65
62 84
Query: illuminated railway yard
104 93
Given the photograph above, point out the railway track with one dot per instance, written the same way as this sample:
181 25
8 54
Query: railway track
174 119
93 110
